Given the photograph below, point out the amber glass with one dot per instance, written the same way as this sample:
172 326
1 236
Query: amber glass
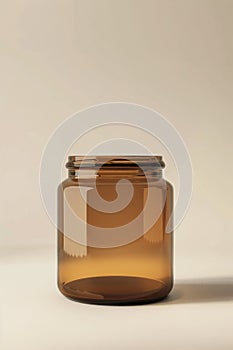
138 271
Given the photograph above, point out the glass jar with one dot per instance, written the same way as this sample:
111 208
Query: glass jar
113 247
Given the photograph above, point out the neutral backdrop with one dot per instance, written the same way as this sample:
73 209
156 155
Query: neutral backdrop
58 57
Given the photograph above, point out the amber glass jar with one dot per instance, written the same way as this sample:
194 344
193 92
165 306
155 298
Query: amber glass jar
113 247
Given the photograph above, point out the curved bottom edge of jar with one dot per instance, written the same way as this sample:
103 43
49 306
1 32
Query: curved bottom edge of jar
116 290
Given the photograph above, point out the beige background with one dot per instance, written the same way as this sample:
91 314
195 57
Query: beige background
61 56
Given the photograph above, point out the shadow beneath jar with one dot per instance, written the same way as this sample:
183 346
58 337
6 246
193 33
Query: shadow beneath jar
201 290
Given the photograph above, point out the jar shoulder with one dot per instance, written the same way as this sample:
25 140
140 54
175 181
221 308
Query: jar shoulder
66 183
90 182
169 185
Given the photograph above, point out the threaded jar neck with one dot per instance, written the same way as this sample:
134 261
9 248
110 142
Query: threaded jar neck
125 166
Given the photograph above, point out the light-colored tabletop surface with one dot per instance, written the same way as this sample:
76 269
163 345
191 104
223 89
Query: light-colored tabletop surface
34 315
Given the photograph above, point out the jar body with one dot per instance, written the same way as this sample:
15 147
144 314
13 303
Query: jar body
138 269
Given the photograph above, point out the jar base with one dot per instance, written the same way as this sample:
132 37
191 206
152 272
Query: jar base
115 290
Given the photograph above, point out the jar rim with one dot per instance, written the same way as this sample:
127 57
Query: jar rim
94 161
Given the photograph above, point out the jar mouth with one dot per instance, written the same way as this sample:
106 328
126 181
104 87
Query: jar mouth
114 161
